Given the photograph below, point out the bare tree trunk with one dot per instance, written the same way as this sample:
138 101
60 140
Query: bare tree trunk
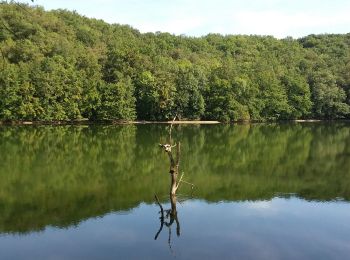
174 169
174 213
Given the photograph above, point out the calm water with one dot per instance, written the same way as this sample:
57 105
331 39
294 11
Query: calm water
277 191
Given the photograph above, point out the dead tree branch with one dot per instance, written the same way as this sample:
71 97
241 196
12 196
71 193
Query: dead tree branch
171 214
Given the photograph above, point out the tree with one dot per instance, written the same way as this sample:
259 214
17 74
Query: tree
116 101
328 97
189 102
299 96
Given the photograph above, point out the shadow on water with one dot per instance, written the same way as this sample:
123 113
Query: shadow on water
60 176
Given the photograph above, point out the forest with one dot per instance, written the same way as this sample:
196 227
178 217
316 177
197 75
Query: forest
59 65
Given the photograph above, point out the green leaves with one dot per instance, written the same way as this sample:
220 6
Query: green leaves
189 101
116 101
328 97
59 65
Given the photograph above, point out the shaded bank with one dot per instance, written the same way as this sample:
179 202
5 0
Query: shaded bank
180 122
104 122
61 175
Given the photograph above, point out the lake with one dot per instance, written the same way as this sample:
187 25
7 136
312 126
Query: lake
261 191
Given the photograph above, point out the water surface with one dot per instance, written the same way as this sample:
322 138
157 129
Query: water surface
265 191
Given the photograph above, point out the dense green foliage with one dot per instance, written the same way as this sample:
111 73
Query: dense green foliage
60 175
59 65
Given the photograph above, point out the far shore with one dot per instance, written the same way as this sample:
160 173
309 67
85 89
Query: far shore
182 122
178 122
107 122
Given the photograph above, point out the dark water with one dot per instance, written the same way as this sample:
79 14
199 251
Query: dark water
278 191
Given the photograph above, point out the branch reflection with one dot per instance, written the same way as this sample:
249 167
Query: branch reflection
167 218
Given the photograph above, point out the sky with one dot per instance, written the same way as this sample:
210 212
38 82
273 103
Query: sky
279 18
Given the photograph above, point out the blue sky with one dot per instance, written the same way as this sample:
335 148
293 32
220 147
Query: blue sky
280 18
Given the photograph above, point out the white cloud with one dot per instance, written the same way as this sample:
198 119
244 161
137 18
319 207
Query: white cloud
281 24
279 18
176 26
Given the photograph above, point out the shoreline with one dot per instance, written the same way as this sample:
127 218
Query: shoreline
140 122
106 122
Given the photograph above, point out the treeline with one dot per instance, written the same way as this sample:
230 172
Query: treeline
59 65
